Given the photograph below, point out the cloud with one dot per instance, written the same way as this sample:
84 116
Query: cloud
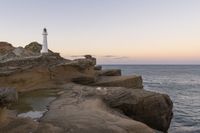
115 57
78 56
109 56
121 57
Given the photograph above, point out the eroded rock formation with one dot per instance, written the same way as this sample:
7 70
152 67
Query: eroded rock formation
109 103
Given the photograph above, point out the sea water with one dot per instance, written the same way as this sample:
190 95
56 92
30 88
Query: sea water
180 82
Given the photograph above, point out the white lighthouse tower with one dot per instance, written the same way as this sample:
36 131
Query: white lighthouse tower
44 45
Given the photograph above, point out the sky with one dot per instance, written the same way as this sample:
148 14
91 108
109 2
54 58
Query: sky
114 31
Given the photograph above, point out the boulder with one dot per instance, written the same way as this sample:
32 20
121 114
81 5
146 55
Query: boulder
151 108
134 82
88 56
109 72
7 95
35 47
98 67
5 48
82 63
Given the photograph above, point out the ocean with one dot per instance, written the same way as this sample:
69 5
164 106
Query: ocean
180 82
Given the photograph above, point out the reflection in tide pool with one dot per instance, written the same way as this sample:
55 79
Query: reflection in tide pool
32 114
34 104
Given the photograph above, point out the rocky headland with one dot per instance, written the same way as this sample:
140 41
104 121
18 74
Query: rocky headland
90 100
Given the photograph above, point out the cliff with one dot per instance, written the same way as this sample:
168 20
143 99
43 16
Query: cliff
95 100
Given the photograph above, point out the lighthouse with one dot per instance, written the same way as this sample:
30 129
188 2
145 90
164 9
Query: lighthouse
44 45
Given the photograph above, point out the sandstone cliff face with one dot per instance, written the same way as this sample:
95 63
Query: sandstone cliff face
42 72
26 69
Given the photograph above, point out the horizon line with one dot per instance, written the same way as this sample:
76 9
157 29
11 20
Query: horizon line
154 64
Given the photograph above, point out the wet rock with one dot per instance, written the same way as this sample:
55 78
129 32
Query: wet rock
110 72
134 82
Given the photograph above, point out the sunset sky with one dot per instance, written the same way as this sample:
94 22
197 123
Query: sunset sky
114 31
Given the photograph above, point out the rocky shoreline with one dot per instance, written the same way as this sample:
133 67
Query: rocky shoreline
91 100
